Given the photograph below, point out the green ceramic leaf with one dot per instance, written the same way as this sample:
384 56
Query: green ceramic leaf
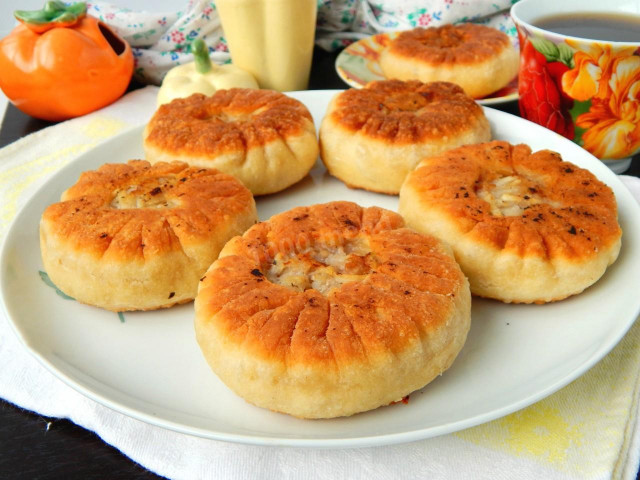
45 278
546 48
353 62
565 54
53 11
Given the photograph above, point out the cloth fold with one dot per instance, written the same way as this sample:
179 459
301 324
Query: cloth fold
587 430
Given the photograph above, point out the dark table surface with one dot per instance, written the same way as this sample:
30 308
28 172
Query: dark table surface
37 447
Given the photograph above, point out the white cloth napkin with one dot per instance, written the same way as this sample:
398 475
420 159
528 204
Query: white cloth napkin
587 430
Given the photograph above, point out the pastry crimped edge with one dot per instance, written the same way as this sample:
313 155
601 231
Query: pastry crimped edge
319 389
267 167
506 276
129 280
379 164
478 79
501 274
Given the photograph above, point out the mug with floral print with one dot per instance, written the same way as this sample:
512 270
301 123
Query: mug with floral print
587 90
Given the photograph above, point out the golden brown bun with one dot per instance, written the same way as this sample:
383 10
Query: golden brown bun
263 138
525 227
330 310
373 137
480 59
139 237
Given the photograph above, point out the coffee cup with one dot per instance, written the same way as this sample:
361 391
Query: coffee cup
580 73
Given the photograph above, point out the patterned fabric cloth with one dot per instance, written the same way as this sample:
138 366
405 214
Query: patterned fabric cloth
342 21
160 41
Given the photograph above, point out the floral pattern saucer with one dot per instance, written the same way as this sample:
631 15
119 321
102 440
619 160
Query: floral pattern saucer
358 64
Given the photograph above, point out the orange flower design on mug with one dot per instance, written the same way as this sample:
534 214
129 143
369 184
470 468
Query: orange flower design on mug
608 77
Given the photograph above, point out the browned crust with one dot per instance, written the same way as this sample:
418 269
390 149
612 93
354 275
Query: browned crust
231 120
408 293
465 43
202 200
407 112
585 223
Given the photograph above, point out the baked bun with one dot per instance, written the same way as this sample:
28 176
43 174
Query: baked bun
373 137
139 237
480 59
525 227
263 138
330 310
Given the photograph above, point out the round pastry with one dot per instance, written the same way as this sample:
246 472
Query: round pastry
263 138
480 59
525 227
373 137
139 237
330 310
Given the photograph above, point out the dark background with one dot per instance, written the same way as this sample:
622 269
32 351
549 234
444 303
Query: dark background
37 447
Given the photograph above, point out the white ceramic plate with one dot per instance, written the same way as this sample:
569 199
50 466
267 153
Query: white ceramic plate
358 64
150 367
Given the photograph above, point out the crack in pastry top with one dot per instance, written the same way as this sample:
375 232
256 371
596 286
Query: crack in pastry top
512 195
407 112
229 120
323 267
150 193
137 209
450 44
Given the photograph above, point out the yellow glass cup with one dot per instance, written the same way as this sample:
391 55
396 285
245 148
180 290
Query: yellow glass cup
271 39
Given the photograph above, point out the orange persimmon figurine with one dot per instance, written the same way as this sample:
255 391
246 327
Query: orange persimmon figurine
60 63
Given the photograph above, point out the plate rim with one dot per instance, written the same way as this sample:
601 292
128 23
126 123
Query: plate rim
325 442
487 101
